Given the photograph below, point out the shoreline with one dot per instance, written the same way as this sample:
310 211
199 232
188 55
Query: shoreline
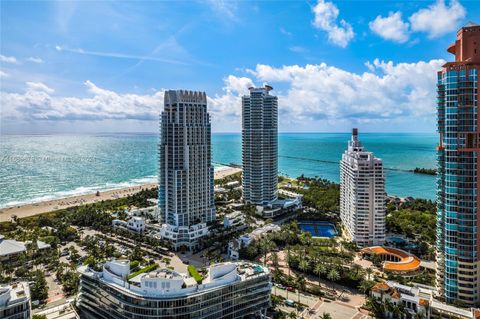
32 209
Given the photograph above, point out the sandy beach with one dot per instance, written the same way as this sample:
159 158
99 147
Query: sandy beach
28 210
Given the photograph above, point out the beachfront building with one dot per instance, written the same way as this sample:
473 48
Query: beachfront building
10 249
185 193
228 290
458 180
259 146
15 301
416 301
362 194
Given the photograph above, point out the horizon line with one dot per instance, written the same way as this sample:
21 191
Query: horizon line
222 132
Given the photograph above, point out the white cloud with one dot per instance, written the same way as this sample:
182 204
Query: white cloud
35 60
326 14
391 27
8 59
224 9
4 74
285 32
308 95
37 103
438 18
298 49
38 86
317 92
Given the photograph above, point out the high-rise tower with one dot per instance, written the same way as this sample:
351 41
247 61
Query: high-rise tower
458 156
362 194
260 146
185 193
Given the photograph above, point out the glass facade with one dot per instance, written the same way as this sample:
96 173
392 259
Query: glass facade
99 299
457 183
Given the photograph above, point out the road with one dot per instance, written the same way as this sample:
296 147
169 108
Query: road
317 306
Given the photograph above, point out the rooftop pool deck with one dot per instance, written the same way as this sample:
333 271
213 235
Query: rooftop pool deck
318 228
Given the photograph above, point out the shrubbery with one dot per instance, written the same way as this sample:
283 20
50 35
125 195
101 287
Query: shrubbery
194 273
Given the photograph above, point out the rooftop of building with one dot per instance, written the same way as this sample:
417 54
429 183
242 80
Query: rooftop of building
234 214
452 310
10 246
184 96
163 282
269 228
423 296
11 294
407 262
63 311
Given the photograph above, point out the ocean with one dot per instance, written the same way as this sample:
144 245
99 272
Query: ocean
42 167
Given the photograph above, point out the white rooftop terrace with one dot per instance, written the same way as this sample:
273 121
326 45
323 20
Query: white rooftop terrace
11 294
166 282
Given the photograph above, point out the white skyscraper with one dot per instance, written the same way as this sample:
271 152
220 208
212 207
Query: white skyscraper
260 146
185 193
362 194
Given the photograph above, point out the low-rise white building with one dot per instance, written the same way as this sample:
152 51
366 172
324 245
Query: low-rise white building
136 224
15 301
234 246
235 219
233 249
10 248
419 299
183 235
280 207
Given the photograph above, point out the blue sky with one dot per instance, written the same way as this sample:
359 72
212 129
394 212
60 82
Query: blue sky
70 67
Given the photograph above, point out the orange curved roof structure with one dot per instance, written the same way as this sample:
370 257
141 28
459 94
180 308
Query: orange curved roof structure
407 262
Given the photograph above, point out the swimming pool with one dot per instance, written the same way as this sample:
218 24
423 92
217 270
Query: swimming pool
396 240
318 228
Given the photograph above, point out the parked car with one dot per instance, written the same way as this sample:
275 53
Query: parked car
290 289
289 303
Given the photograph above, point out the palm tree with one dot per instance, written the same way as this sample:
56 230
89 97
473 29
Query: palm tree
365 286
303 265
301 285
355 271
398 311
319 270
389 306
274 258
333 275
419 315
326 315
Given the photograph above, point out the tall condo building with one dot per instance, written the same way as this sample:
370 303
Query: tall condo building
458 158
260 146
362 194
185 193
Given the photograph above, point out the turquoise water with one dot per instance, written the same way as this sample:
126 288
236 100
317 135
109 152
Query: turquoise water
318 228
34 168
